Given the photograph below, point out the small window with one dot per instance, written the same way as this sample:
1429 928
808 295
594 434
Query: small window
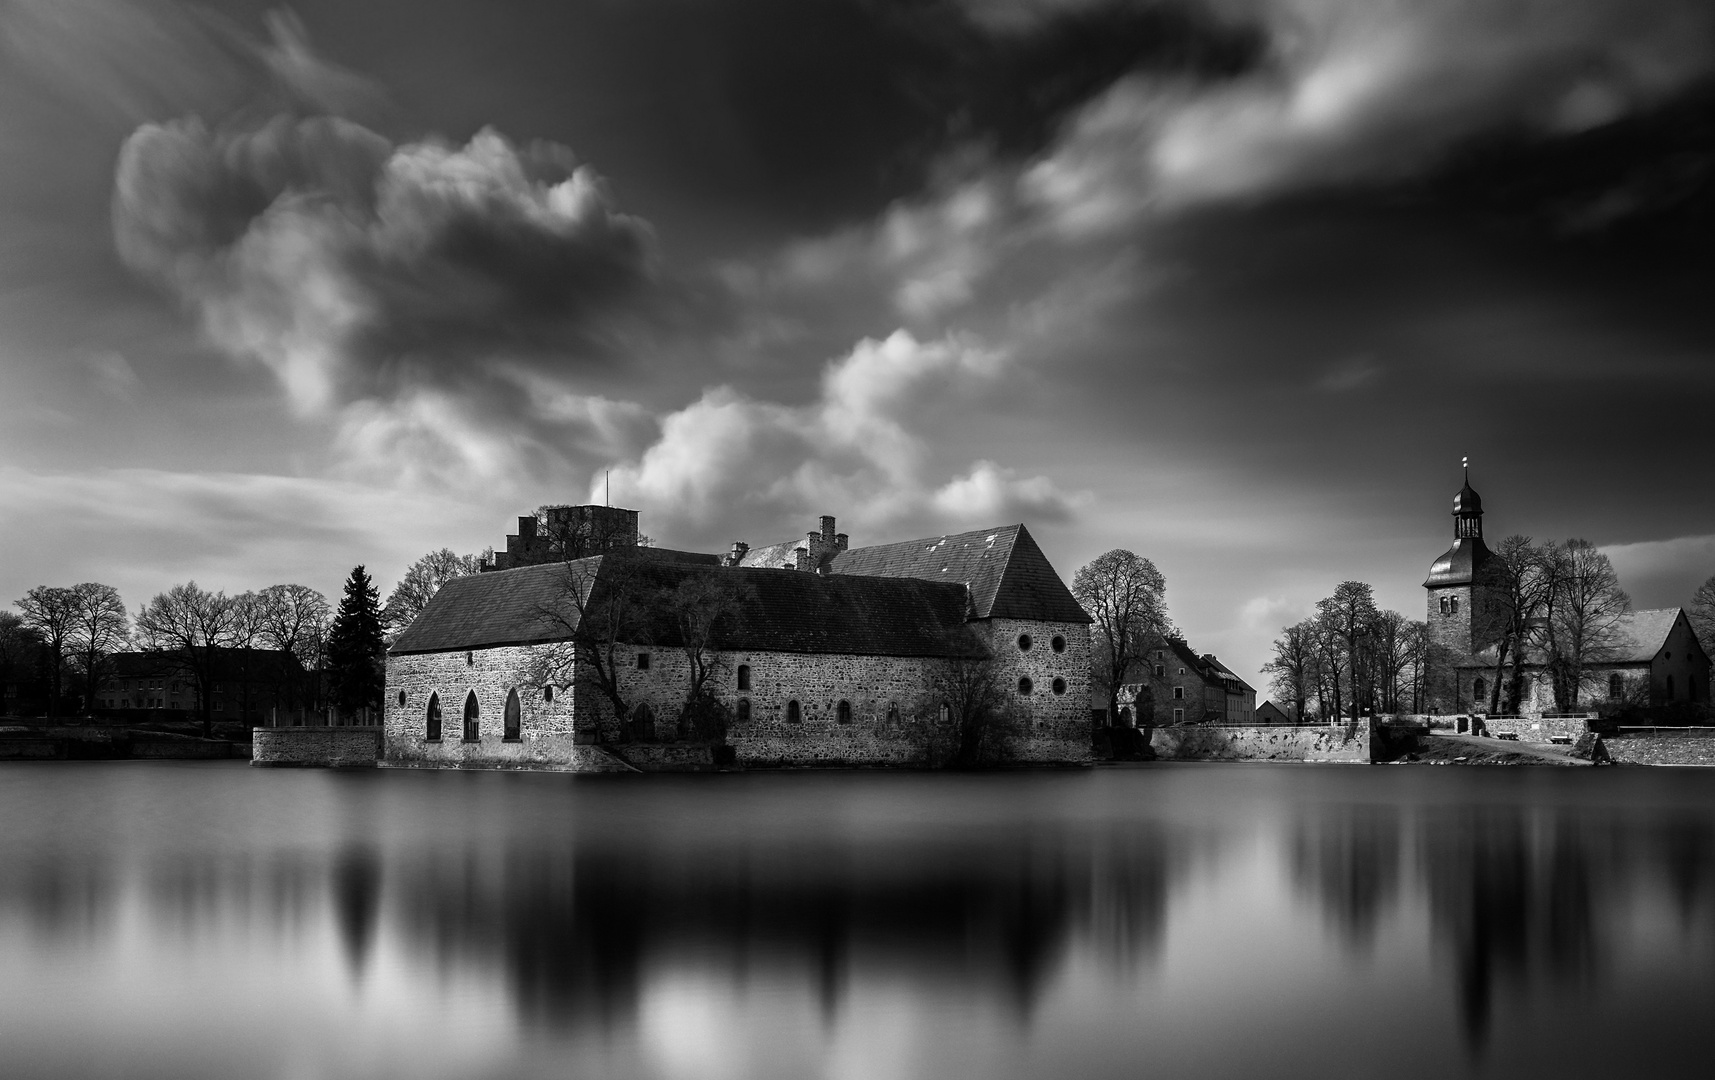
642 661
743 710
1181 671
469 658
511 723
401 699
548 694
1668 655
893 712
1025 686
843 713
945 715
1160 670
1179 691
1024 643
1478 689
472 718
1444 609
1059 686
432 719
1178 716
744 676
1057 643
1453 602
793 713
1616 686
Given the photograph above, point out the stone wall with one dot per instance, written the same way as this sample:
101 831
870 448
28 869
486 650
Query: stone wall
1212 743
1535 729
323 746
873 688
1662 746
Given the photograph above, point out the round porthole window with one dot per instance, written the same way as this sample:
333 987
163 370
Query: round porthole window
1025 685
1024 642
1057 643
1059 686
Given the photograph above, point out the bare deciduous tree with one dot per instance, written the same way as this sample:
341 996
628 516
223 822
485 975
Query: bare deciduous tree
422 580
967 708
1702 615
1126 596
1348 615
100 628
51 611
190 626
1292 671
294 619
701 608
1584 613
602 608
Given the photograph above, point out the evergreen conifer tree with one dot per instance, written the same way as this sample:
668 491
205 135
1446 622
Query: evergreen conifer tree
355 648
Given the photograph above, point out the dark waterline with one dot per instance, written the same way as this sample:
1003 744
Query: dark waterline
211 920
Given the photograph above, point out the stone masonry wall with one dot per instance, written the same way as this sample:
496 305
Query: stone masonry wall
1213 743
335 747
1687 746
552 732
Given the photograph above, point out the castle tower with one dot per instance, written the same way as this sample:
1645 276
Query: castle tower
1458 599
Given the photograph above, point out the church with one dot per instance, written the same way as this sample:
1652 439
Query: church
828 655
1645 658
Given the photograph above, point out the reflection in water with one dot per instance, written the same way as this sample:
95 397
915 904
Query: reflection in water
1009 926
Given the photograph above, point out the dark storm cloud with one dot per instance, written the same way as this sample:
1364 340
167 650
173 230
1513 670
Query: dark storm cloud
350 265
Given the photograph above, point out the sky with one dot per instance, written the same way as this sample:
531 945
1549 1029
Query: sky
1233 284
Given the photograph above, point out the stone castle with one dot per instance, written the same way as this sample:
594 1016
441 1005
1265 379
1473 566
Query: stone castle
830 656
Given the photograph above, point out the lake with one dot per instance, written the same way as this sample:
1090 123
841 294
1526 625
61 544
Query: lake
192 920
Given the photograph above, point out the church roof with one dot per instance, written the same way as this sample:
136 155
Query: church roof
1008 575
776 610
1635 638
1459 564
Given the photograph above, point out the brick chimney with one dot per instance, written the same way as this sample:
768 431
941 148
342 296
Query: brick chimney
803 556
739 550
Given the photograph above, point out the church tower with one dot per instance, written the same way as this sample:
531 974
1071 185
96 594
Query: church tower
1458 600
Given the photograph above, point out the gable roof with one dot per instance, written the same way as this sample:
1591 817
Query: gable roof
777 610
1636 638
1007 573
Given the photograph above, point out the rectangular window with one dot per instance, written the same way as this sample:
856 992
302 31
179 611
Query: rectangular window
1178 691
1160 669
642 661
1178 715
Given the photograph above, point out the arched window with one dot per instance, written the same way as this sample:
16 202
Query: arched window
893 713
1616 686
744 676
642 722
1025 686
1024 643
1478 689
946 714
472 713
1445 610
1057 643
432 719
743 710
1126 719
1059 686
510 727
1453 603
793 716
843 713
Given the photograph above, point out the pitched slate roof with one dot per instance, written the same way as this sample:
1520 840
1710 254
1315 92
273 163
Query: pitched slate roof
1636 638
1008 575
777 610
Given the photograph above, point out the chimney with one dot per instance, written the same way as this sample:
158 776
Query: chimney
827 528
527 527
803 556
739 550
840 541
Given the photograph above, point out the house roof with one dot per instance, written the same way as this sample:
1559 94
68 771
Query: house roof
1636 638
1227 674
1007 573
229 663
777 610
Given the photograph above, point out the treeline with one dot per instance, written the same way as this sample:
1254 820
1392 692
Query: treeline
1352 658
66 638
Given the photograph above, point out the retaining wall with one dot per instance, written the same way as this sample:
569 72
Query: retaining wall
1662 746
318 746
1536 729
1198 743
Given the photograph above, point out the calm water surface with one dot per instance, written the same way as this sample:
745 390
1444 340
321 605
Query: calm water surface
211 920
